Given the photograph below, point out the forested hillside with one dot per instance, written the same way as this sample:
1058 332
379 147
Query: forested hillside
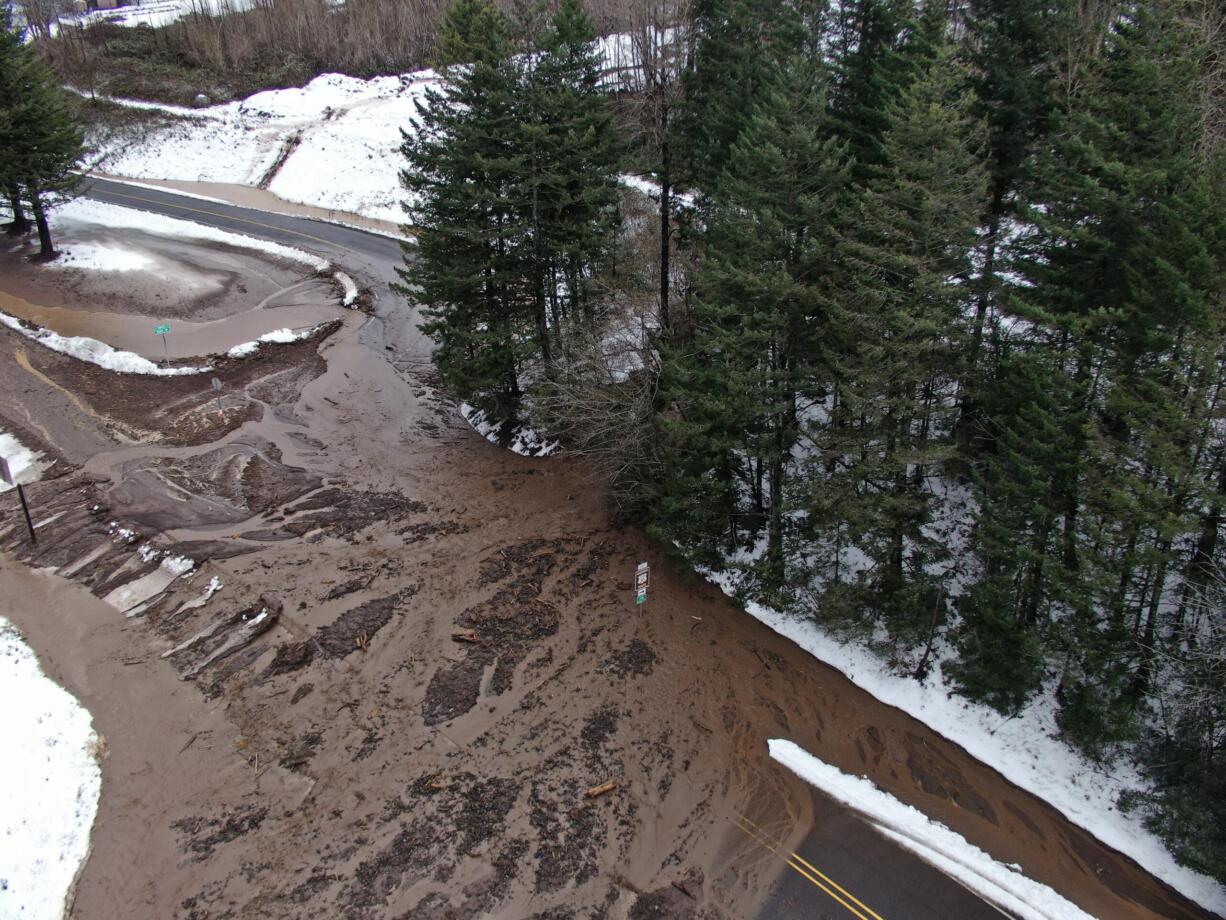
930 349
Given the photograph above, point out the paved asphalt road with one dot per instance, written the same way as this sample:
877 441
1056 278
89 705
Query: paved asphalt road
843 868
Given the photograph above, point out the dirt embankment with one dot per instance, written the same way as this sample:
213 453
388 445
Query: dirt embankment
422 667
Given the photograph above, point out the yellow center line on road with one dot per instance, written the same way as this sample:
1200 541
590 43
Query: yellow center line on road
809 872
101 192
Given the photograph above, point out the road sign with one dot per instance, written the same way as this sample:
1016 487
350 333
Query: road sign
161 329
216 384
5 473
642 578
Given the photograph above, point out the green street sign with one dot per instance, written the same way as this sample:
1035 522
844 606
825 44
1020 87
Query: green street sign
161 329
641 598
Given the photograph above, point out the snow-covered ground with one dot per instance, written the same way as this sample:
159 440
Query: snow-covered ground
95 352
155 13
88 211
49 785
525 441
934 843
338 137
25 464
336 140
1026 749
279 336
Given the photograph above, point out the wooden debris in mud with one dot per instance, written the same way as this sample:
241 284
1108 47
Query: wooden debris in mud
603 789
226 635
467 635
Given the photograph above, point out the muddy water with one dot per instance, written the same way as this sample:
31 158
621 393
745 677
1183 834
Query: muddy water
453 660
132 331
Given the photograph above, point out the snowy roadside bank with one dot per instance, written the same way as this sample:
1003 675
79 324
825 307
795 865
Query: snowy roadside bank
1026 750
26 464
49 785
332 144
932 842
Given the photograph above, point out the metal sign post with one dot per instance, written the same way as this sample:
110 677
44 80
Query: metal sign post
7 475
642 578
161 329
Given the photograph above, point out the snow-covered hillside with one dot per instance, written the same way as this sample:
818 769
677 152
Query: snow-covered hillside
331 144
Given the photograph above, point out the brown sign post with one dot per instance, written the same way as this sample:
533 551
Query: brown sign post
7 475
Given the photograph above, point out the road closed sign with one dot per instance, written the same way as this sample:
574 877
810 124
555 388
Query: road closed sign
642 578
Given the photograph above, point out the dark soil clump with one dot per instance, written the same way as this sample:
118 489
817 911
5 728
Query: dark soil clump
412 849
290 657
354 628
600 726
454 689
636 659
486 806
206 834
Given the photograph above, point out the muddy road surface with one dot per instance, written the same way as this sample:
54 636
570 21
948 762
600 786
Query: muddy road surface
405 675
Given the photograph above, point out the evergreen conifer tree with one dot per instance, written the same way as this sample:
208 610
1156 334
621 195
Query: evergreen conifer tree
760 313
464 177
40 142
907 257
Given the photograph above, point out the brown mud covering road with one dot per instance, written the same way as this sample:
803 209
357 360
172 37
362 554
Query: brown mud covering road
423 689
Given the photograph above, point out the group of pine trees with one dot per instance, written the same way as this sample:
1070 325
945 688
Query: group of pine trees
945 363
40 141
512 174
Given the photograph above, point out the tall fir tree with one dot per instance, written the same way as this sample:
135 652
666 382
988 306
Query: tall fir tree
464 180
738 44
40 142
873 63
907 258
575 153
761 311
1013 46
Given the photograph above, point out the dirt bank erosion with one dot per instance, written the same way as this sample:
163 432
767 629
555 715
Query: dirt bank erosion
403 658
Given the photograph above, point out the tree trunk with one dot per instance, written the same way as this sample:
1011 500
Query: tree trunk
20 224
774 533
665 224
46 250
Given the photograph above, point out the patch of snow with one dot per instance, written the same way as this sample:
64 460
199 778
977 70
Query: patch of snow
95 352
156 13
277 336
178 565
49 785
350 289
212 587
1026 749
88 211
123 533
100 257
997 883
525 441
25 464
652 189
